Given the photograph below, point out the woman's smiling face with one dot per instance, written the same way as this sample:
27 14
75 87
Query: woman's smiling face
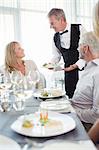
19 51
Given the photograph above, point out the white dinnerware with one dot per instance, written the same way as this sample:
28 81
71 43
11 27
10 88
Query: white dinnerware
51 93
57 124
7 143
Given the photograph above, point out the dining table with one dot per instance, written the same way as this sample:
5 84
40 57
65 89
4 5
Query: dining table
32 105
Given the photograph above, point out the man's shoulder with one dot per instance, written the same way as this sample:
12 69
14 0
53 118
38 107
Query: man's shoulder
75 24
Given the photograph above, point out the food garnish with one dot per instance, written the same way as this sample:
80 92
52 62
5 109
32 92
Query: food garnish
45 93
27 124
44 118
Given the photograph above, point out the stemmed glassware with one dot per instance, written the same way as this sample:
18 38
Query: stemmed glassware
33 79
16 79
23 87
5 101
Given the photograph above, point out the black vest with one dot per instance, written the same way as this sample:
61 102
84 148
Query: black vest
70 55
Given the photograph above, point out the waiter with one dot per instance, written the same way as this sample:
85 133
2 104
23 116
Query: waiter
65 44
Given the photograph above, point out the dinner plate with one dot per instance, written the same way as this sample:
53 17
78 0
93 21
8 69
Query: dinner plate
49 65
56 67
54 105
57 124
67 145
51 93
8 144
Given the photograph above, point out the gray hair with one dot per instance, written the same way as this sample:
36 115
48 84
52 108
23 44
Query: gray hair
58 13
91 40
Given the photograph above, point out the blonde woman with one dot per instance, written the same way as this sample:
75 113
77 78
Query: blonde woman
14 62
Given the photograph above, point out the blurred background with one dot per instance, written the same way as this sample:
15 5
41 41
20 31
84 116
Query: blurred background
26 21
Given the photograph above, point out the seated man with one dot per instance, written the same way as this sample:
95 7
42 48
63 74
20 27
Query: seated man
86 97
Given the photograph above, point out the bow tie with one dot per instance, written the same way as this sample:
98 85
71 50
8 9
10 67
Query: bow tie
63 32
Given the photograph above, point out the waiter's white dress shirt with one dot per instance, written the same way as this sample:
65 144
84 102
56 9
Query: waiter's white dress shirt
65 43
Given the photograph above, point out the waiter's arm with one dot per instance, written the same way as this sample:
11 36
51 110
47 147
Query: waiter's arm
56 54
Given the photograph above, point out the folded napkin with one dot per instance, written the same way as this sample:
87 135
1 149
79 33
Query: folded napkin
56 105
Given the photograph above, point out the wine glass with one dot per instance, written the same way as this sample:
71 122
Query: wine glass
16 78
33 78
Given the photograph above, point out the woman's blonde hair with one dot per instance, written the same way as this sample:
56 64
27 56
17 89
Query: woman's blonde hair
10 57
96 19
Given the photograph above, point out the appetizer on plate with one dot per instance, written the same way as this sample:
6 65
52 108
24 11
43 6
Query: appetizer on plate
51 92
27 124
49 65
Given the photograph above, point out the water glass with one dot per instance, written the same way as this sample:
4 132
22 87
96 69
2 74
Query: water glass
6 105
5 102
1 78
19 104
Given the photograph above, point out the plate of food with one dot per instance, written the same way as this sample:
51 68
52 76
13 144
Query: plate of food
53 66
49 65
49 93
34 126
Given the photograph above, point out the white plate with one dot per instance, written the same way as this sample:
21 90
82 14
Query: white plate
49 66
54 105
52 66
60 124
69 146
8 144
50 91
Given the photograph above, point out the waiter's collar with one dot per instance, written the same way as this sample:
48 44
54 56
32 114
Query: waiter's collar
67 28
63 32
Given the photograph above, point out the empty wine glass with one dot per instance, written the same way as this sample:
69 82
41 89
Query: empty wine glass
16 79
33 78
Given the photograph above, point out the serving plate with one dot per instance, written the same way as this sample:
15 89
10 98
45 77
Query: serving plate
58 124
52 93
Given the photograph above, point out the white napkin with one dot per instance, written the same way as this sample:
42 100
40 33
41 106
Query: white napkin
56 105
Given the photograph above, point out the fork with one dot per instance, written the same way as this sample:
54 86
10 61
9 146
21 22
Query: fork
31 143
35 144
